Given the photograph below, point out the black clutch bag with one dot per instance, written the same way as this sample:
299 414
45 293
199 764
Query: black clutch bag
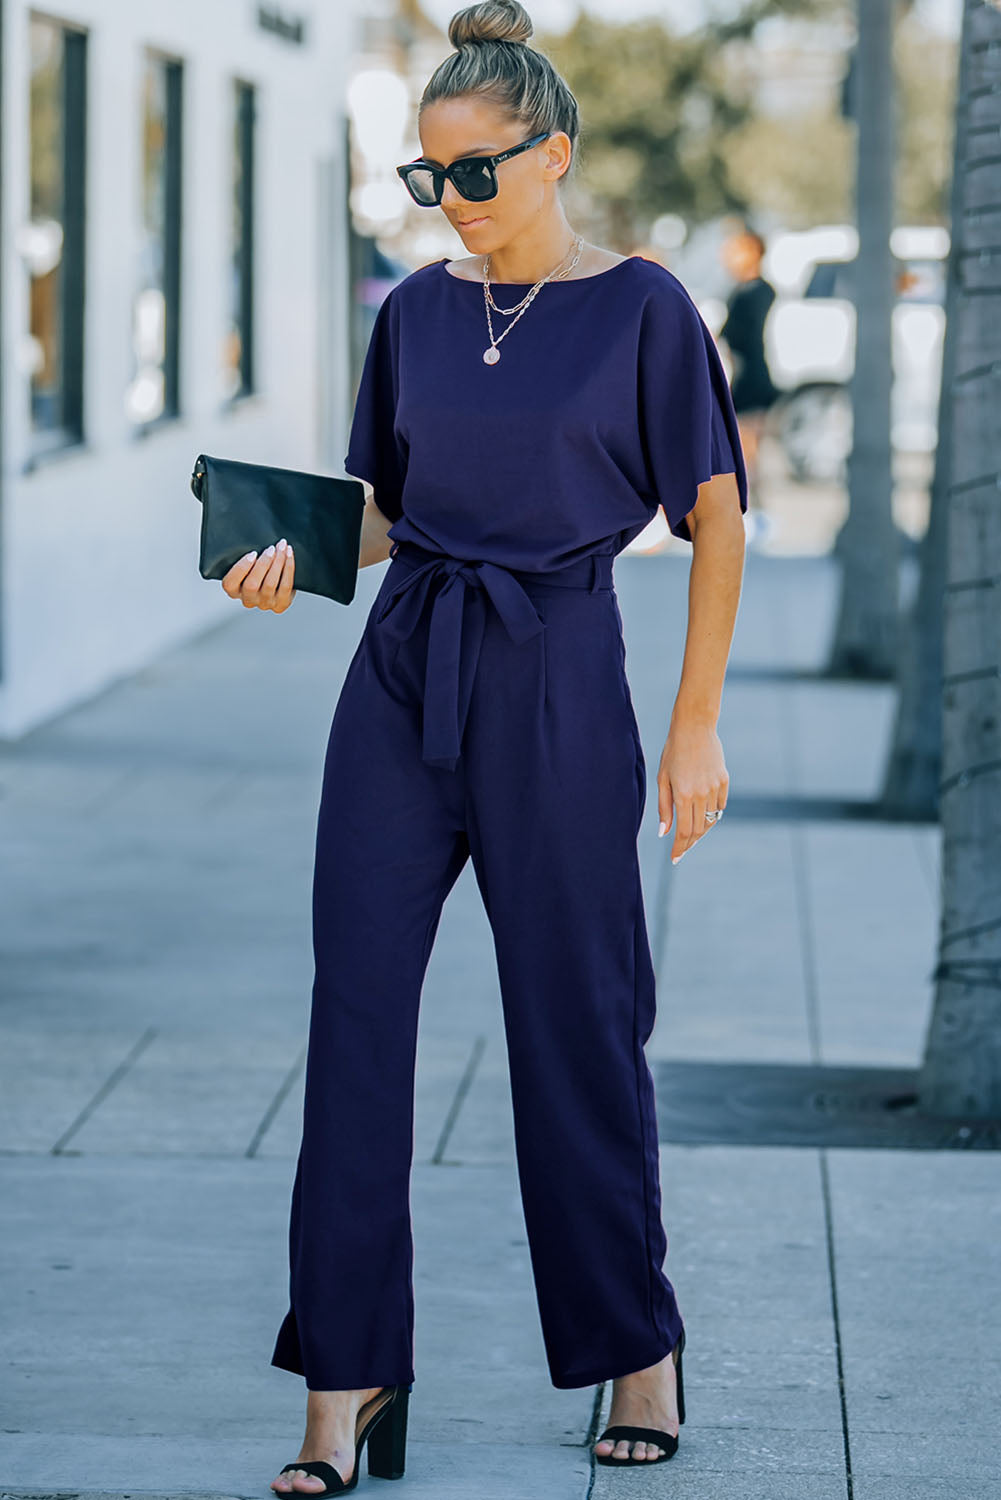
246 507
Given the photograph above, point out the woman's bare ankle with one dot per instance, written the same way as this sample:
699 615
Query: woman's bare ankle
343 1398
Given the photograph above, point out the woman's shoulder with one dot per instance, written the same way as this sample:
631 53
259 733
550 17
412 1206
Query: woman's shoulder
639 286
661 280
414 281
666 306
466 268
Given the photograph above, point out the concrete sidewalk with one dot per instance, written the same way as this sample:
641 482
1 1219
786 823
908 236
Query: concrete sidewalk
841 1305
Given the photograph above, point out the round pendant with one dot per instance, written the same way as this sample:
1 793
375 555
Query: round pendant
491 356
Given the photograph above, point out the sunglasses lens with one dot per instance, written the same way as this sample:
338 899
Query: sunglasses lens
474 180
422 186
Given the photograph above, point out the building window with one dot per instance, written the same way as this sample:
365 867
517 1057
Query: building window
153 393
53 245
240 337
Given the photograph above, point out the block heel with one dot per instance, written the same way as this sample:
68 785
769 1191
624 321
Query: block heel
387 1446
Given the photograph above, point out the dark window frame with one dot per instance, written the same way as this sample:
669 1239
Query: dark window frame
173 231
243 253
70 433
174 150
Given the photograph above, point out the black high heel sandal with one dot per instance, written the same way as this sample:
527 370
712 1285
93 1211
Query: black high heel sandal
386 1435
666 1440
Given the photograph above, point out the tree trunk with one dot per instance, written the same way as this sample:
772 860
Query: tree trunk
961 1071
867 631
914 764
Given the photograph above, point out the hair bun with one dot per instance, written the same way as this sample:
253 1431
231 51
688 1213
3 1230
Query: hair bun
490 21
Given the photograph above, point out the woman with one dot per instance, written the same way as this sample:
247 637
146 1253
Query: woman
752 389
514 448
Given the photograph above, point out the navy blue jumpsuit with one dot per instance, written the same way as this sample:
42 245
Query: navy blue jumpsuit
486 714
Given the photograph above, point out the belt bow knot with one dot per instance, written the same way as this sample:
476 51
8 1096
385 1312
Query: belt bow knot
455 634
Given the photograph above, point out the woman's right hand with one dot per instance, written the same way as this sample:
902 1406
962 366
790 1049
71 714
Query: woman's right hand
264 582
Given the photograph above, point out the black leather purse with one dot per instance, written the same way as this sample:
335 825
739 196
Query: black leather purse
246 507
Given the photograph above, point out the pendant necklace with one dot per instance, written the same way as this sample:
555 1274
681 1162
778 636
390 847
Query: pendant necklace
492 355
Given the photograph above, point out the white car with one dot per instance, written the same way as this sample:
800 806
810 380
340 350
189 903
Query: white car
810 343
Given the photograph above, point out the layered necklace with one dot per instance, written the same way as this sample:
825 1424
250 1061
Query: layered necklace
492 355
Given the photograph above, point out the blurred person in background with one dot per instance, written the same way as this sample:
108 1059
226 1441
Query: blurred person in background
744 333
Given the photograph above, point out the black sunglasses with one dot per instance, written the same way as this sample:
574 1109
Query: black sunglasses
473 177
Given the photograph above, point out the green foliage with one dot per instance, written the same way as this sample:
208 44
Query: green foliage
669 125
926 67
653 111
776 162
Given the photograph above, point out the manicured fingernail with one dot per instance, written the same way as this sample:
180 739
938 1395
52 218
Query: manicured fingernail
290 549
268 551
661 830
248 556
677 858
282 545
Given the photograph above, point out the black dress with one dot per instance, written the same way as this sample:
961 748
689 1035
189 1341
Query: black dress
752 387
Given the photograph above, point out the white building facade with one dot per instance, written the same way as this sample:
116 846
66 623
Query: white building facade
175 281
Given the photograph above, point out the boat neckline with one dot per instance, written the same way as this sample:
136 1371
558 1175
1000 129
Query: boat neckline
565 281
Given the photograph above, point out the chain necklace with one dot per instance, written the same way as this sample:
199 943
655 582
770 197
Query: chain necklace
492 355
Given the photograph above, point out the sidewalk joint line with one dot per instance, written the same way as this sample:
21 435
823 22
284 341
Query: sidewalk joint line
277 1102
465 1083
801 874
114 1077
800 882
591 1437
825 1189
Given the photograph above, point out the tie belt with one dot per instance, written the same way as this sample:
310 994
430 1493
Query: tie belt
455 633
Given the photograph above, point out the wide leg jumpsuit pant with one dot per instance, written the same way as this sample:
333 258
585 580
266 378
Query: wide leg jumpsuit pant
485 714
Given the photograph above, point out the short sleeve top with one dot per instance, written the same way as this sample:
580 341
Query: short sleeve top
609 399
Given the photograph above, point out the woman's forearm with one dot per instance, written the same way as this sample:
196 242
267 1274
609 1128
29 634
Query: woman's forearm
375 544
718 540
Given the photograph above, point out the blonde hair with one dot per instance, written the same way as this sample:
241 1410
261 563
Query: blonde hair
494 61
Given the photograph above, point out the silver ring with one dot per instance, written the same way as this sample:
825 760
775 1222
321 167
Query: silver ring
712 817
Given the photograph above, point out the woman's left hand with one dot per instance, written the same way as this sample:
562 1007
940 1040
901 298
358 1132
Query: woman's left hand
692 780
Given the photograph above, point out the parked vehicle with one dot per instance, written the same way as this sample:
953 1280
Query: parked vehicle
810 344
